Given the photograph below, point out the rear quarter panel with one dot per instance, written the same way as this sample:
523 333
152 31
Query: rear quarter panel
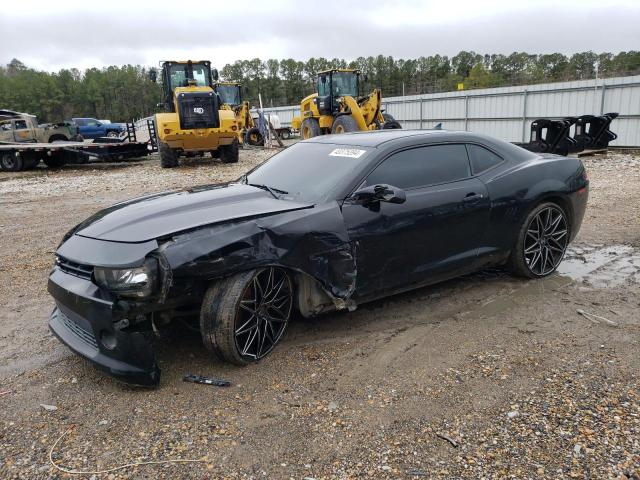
516 189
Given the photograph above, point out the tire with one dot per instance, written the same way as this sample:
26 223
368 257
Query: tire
215 153
230 153
254 137
11 162
285 134
344 124
243 317
310 128
390 123
535 257
56 160
168 156
30 162
112 134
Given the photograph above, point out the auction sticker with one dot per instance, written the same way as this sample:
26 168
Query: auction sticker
347 152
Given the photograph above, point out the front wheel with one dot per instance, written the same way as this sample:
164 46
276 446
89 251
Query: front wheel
230 153
112 134
390 123
243 317
542 242
344 124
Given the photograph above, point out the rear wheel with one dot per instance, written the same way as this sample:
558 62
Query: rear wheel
11 162
390 123
310 128
254 137
168 156
542 242
112 134
344 124
244 316
230 153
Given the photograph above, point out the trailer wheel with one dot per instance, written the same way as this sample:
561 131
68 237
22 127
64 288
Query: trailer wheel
230 153
344 124
285 133
11 162
30 160
168 156
56 160
254 137
57 138
215 153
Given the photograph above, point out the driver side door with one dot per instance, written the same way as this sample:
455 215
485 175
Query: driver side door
431 236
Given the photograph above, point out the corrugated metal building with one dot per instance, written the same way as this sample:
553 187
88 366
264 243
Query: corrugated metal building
507 112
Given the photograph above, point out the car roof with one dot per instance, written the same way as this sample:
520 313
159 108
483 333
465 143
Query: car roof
379 137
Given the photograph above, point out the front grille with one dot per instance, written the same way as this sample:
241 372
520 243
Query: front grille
198 110
73 268
84 335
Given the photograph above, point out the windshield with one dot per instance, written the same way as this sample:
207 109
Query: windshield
179 75
229 94
344 84
310 172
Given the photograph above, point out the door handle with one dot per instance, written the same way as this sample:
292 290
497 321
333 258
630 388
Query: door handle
472 197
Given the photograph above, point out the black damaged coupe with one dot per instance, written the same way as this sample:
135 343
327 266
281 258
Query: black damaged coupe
329 223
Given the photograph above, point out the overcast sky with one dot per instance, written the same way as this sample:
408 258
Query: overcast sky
56 34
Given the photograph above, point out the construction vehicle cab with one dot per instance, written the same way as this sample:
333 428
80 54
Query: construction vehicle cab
193 122
231 98
338 107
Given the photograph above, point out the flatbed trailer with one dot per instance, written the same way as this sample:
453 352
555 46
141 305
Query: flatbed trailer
25 156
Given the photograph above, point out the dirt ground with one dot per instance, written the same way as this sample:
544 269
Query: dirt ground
486 376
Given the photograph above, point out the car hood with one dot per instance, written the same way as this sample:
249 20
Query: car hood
161 215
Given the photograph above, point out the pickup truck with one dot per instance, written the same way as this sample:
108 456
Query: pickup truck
18 127
93 128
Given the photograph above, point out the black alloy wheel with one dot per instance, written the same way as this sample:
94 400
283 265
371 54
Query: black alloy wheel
545 241
263 313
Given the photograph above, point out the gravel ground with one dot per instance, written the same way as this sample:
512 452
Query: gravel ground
486 376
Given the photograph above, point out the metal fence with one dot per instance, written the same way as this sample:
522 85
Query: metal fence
507 112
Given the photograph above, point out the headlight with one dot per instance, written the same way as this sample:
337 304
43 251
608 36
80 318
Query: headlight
129 282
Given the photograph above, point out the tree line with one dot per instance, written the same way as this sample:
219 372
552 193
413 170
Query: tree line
124 93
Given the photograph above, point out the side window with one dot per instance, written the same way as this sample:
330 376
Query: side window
21 125
423 166
81 122
92 122
481 158
5 126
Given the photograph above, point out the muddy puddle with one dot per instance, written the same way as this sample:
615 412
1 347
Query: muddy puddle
601 266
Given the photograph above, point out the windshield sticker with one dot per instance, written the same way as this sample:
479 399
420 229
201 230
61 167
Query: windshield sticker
347 152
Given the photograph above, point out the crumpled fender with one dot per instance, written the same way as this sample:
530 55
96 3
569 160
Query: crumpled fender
314 241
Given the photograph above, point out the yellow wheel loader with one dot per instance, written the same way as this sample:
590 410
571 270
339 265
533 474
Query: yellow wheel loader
230 94
338 107
194 122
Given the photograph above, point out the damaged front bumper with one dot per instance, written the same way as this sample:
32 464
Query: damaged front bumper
85 320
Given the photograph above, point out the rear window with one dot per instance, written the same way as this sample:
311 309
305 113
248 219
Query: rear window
481 158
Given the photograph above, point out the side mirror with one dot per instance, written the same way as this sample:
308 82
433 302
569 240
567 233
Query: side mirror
379 193
153 75
214 74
